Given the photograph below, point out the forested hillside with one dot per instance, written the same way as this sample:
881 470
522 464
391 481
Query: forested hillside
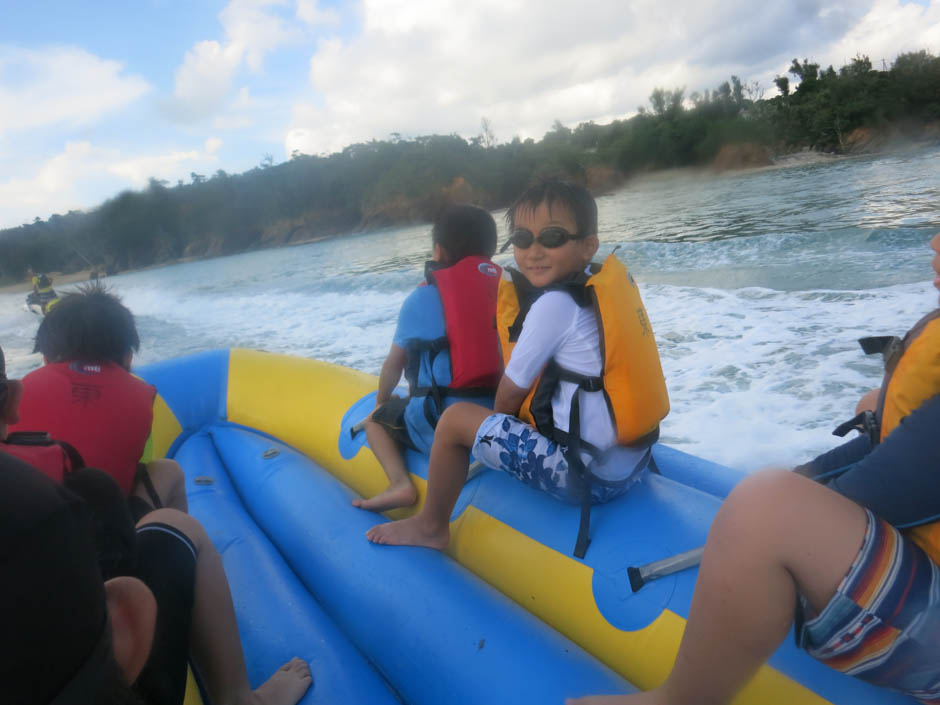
392 181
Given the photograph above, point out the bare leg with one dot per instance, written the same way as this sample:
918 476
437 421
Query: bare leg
400 491
169 482
777 534
447 472
214 641
868 402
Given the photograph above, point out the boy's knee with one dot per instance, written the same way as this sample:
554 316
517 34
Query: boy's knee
170 469
459 423
758 497
180 521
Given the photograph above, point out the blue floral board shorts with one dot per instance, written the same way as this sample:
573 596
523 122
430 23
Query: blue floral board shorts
505 443
883 623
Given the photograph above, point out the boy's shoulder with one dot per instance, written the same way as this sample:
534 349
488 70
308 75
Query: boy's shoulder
422 302
421 314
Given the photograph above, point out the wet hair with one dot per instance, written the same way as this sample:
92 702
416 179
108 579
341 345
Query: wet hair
577 199
91 325
464 230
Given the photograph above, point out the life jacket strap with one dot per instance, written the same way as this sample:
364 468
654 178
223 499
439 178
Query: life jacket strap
866 422
451 392
433 346
586 382
578 472
143 477
884 344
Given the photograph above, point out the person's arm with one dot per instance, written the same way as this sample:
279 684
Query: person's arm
391 373
509 397
834 462
546 326
898 479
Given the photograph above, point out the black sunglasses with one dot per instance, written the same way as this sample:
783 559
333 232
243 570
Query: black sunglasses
550 237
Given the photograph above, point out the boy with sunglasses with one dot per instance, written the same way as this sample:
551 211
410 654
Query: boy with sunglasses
576 411
445 344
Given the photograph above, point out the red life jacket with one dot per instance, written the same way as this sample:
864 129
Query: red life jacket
52 458
468 292
100 408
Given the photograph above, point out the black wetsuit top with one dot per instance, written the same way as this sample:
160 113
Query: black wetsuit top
898 479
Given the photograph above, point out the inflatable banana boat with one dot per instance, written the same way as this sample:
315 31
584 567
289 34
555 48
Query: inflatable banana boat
507 615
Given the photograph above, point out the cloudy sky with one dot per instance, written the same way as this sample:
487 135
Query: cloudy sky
99 96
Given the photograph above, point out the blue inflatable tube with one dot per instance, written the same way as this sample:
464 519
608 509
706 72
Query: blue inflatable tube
435 632
277 617
438 633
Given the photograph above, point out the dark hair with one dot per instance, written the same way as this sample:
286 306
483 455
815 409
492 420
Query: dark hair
577 199
464 230
91 325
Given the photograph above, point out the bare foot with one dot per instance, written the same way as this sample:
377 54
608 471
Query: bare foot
395 496
414 531
286 686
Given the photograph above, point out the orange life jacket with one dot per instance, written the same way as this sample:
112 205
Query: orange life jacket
631 377
912 376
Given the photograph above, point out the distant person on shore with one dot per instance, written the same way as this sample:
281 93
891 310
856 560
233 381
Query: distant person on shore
96 611
857 552
445 344
565 422
85 395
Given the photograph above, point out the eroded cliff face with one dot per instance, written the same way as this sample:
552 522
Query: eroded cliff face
745 155
871 140
602 179
400 209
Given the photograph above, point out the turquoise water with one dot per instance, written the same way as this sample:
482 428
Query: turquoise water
757 283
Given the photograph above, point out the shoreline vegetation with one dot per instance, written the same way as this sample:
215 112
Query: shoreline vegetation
369 186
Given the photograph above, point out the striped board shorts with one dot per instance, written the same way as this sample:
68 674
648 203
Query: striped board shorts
883 623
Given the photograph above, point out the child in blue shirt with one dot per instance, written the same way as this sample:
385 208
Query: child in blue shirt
445 344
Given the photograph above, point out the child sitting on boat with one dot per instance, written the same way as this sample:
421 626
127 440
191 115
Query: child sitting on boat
445 343
582 395
95 610
85 395
857 552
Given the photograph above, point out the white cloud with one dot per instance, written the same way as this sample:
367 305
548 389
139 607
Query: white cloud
309 12
438 67
204 80
52 186
61 85
887 30
77 177
139 170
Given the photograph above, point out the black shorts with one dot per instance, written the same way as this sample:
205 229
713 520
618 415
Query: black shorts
166 563
391 417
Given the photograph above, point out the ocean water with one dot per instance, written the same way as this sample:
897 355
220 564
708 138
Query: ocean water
758 285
